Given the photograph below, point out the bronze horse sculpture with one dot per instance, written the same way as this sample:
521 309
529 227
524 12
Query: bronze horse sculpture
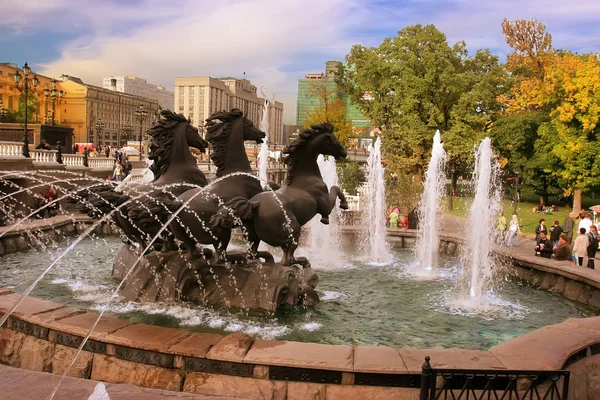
172 136
226 133
277 217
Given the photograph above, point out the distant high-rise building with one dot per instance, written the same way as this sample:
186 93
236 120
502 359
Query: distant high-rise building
307 101
139 87
199 97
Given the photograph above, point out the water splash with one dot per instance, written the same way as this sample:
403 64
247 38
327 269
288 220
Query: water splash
484 209
427 240
264 147
324 245
376 247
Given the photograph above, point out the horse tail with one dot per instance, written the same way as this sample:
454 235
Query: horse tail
239 206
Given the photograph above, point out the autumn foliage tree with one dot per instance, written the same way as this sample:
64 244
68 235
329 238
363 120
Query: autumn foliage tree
567 87
331 108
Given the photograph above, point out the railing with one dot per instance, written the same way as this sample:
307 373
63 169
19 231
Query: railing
455 384
11 149
43 156
101 162
73 160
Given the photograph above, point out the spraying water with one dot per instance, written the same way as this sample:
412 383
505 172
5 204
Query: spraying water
264 147
377 250
428 241
484 209
325 239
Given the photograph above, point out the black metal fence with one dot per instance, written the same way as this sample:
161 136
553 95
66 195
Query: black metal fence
459 384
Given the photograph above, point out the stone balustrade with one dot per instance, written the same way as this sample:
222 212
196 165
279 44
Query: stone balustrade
11 149
44 156
101 162
73 160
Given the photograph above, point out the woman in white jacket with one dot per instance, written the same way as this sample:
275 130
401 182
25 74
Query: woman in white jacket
580 246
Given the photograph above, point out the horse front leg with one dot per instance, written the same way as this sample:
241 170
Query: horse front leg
325 209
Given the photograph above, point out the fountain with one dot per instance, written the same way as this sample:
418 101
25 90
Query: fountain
477 258
376 246
427 247
264 147
324 240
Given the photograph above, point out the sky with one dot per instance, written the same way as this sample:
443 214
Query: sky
275 42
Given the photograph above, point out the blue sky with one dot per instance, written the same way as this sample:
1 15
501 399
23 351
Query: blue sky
274 41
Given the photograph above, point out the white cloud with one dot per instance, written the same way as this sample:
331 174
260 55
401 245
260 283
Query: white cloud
162 39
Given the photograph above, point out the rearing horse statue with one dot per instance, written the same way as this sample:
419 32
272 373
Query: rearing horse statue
276 218
226 133
172 136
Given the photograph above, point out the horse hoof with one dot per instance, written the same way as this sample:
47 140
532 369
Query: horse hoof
325 221
343 205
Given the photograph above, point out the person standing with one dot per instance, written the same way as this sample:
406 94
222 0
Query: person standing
593 241
394 217
501 227
568 226
513 231
586 223
118 172
580 247
541 228
555 232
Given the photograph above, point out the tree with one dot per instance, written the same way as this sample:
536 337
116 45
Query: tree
351 176
32 104
332 109
418 83
566 86
522 152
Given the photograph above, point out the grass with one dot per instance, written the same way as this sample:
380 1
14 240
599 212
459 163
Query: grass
528 220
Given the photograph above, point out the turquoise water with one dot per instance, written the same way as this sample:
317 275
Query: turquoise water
360 303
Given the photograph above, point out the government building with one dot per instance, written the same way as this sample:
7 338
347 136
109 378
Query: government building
139 87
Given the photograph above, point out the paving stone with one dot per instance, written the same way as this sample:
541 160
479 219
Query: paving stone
29 306
226 385
148 337
449 358
80 324
378 359
231 348
301 355
196 345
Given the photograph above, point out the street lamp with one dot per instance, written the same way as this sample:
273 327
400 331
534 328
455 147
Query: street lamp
99 125
53 95
127 129
28 83
141 115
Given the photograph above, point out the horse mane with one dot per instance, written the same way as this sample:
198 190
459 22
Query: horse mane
163 135
294 150
218 130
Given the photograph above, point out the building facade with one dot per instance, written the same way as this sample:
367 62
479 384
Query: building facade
10 95
199 97
141 88
307 101
102 116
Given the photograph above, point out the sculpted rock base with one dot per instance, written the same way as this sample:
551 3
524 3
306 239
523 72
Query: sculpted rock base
171 277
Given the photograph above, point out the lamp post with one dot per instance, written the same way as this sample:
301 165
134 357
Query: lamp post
98 125
141 115
24 86
53 94
127 129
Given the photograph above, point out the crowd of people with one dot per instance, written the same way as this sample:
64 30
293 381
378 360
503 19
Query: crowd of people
556 241
122 166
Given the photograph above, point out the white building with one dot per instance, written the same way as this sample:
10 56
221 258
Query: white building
199 97
139 87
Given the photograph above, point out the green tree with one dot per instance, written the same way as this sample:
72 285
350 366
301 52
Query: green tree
351 176
332 109
418 83
32 104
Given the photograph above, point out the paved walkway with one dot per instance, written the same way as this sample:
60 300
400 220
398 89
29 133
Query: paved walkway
22 384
